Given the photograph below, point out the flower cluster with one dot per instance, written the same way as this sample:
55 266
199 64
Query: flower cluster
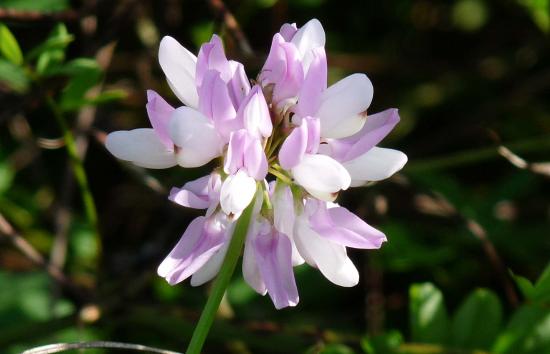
287 142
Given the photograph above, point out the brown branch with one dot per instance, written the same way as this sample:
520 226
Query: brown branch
542 168
23 246
27 15
439 206
222 12
491 252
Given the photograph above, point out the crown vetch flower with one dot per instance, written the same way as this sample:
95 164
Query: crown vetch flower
308 139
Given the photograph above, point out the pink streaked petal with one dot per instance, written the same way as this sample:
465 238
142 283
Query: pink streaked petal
313 134
251 272
315 82
234 159
212 57
375 129
239 85
215 103
343 227
254 159
273 253
294 147
255 113
288 31
159 112
200 241
193 194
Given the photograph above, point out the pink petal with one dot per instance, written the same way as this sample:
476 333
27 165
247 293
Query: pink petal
273 253
375 129
193 194
294 147
345 228
212 57
198 244
315 82
159 112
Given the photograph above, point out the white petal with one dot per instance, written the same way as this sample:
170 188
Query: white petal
237 192
211 268
309 36
179 66
196 136
321 176
142 146
342 105
330 258
376 164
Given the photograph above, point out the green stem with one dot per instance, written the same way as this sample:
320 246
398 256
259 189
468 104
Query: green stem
222 281
77 166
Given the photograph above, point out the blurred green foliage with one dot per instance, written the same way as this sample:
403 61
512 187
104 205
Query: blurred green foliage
467 75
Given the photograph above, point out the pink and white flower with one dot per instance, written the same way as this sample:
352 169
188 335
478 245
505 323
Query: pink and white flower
290 143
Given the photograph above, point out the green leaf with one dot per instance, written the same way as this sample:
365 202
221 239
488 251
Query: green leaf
58 39
477 321
9 46
542 286
336 349
34 5
85 74
525 285
385 343
428 316
528 332
13 76
539 11
6 176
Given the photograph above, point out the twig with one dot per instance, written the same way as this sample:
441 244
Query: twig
542 168
62 347
223 13
32 254
440 206
475 155
491 252
27 15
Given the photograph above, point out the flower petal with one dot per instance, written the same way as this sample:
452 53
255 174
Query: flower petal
255 114
273 253
212 57
251 271
375 129
284 216
342 105
159 112
179 66
202 239
330 258
141 146
211 268
345 228
215 103
322 176
237 192
288 31
315 82
294 147
193 194
376 164
238 86
196 136
308 37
